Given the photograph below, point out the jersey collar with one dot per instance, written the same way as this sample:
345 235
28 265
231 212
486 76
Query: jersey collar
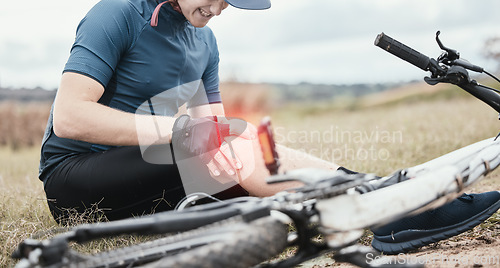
173 8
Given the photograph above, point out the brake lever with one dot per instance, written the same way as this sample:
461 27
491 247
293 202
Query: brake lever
449 54
451 57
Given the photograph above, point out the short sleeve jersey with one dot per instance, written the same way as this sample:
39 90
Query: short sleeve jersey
116 45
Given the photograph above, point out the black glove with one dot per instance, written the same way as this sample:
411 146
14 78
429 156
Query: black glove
200 137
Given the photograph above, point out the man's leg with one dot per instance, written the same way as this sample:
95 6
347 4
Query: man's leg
462 214
118 183
252 177
458 216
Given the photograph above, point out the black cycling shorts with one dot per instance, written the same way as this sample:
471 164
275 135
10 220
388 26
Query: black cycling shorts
116 184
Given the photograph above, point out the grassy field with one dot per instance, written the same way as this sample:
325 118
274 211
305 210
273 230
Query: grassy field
367 136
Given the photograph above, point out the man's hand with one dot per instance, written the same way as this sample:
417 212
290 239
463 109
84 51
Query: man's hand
200 137
209 138
226 159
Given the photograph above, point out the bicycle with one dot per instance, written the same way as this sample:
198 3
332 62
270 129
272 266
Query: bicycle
244 232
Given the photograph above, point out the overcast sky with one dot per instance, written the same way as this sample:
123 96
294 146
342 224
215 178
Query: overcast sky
317 41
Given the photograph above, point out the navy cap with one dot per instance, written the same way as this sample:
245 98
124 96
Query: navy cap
250 4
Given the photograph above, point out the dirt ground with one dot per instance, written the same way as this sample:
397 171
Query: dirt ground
478 252
460 251
479 247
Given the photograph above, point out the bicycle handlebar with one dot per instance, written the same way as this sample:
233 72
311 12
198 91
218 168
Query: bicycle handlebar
484 94
448 68
403 51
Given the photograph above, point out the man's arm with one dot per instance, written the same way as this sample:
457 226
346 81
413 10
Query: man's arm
205 110
79 116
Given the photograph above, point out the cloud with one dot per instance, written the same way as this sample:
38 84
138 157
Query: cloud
321 41
35 39
332 41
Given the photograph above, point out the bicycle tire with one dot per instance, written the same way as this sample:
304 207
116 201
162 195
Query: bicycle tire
229 243
255 243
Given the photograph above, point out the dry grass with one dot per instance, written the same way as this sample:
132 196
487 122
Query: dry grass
23 211
394 136
22 125
379 139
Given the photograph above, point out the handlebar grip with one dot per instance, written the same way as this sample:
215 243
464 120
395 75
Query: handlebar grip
402 51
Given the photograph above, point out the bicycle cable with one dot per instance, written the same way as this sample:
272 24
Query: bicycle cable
494 77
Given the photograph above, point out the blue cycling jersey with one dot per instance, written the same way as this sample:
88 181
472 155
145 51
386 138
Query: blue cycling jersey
116 45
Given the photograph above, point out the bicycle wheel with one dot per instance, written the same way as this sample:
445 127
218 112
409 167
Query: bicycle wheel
244 246
230 243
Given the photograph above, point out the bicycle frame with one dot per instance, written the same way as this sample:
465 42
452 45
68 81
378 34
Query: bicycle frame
432 184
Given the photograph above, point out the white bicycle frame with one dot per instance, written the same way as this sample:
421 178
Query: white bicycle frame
432 184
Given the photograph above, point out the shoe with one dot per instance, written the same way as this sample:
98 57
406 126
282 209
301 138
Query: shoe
458 216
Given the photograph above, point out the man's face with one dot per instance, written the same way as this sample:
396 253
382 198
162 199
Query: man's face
199 12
